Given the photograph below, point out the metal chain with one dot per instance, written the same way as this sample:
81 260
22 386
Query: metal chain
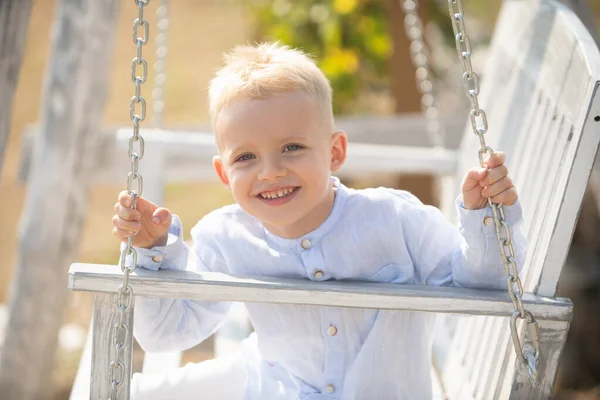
120 332
527 352
419 54
158 103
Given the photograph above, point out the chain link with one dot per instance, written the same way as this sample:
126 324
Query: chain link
158 103
419 55
528 352
135 186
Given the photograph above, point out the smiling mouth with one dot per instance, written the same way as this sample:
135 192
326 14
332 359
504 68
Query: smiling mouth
277 194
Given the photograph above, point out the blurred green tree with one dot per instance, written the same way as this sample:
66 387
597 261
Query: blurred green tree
348 38
353 41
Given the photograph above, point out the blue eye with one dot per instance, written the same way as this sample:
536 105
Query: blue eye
245 157
292 147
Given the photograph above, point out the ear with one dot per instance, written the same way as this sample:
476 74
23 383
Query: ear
220 170
339 144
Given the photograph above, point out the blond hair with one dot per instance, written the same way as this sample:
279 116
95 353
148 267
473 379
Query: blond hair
257 72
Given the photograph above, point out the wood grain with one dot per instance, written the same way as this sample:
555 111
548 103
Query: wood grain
103 351
216 286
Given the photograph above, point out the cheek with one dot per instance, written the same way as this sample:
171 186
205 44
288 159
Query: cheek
240 180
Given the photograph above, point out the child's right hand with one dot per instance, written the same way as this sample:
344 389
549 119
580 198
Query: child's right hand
149 221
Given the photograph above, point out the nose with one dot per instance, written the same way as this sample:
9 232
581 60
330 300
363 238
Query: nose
272 169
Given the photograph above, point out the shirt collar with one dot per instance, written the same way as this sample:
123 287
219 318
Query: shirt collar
341 194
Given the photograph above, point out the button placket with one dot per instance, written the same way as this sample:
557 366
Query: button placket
312 259
336 347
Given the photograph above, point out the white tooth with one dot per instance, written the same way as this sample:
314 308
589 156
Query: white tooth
280 193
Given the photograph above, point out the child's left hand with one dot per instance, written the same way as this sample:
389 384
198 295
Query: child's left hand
492 182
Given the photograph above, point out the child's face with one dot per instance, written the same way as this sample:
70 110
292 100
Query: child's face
275 155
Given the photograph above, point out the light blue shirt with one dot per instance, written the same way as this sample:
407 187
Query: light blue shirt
310 352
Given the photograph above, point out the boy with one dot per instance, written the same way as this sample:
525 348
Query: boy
273 122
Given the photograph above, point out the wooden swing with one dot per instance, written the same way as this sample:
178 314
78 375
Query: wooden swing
540 95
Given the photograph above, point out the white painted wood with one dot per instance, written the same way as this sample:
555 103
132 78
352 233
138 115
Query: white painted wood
539 96
81 384
571 188
362 157
105 317
216 286
55 207
187 155
553 338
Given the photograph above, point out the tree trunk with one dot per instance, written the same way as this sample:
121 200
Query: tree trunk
14 15
55 208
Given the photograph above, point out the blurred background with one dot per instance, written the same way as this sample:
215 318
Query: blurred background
361 46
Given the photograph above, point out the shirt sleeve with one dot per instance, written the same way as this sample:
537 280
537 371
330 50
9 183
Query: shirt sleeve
467 255
162 324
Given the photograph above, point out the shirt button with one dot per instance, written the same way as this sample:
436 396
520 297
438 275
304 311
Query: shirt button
487 221
332 330
330 388
318 274
157 259
305 244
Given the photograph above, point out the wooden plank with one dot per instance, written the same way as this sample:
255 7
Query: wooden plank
103 350
572 188
490 359
552 341
216 286
81 385
187 155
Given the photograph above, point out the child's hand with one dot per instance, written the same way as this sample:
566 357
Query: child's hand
492 182
149 221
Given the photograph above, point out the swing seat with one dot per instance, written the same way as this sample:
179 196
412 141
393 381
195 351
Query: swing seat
540 94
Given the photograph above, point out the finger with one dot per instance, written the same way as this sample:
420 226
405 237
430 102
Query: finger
498 187
495 160
125 198
126 213
472 178
122 234
508 197
119 223
494 175
162 216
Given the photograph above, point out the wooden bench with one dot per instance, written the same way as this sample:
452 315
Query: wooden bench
540 93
